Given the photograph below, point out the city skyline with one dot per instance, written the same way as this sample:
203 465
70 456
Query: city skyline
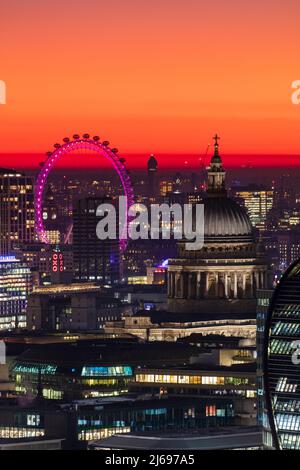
149 228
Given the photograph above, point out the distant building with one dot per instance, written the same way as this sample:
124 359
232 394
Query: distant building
156 275
16 210
161 325
94 259
141 254
80 423
142 296
48 263
165 187
94 369
258 201
264 297
152 176
288 245
71 307
237 382
15 286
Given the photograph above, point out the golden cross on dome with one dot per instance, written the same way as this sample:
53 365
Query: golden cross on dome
216 138
216 145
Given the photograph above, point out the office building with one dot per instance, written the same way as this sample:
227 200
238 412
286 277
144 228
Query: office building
94 259
15 287
16 210
71 307
258 201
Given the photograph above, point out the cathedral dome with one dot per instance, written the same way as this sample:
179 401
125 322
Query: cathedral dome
223 217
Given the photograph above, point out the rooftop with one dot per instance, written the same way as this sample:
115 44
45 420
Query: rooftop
164 316
67 288
217 438
109 353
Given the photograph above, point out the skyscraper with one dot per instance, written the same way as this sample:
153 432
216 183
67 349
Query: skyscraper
16 210
281 361
258 201
152 176
94 259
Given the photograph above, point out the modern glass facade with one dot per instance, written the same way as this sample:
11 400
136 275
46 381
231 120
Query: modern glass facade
16 210
88 421
75 382
281 367
15 286
264 297
194 383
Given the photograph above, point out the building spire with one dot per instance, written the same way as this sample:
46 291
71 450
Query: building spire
216 173
216 145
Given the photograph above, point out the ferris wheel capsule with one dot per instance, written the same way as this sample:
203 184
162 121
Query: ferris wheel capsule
76 136
106 143
57 146
123 160
66 140
86 136
114 150
96 138
48 154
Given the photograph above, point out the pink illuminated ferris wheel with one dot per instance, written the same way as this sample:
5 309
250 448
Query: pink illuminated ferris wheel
70 145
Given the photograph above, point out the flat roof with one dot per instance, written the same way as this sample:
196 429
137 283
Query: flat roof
164 316
221 438
109 353
62 289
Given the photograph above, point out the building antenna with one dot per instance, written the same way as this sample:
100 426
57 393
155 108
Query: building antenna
203 159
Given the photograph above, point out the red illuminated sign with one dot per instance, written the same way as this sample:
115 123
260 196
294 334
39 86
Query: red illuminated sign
57 262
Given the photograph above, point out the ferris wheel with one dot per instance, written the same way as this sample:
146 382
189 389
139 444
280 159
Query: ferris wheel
67 147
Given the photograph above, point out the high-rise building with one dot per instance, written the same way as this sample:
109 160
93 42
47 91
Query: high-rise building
16 210
15 286
264 297
152 176
281 362
94 259
288 247
165 187
258 201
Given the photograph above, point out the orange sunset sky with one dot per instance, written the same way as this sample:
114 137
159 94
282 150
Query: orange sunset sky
158 76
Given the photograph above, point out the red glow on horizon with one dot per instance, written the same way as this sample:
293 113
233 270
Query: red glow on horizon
139 161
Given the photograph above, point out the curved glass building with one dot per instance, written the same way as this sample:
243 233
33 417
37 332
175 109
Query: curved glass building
281 361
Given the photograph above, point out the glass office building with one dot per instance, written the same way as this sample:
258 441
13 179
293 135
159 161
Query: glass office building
281 361
15 286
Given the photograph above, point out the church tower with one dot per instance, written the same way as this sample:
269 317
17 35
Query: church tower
216 173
